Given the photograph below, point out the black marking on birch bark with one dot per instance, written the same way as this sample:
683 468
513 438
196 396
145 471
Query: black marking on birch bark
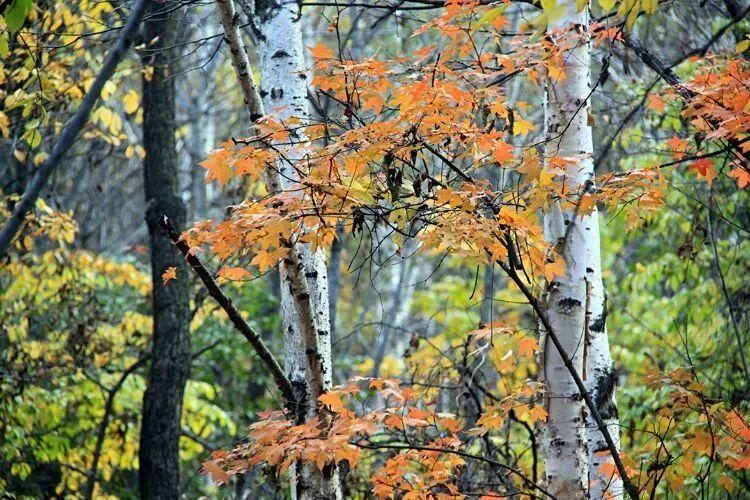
600 323
280 54
606 383
568 305
277 93
300 393
263 93
311 274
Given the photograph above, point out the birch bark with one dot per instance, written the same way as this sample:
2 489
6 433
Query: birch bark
575 303
304 283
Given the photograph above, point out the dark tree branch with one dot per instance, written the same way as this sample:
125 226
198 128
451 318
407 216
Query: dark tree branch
283 383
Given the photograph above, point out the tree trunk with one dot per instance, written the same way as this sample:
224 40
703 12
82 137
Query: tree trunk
159 474
284 93
303 273
575 302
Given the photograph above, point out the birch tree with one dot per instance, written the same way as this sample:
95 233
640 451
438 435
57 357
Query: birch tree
304 283
575 303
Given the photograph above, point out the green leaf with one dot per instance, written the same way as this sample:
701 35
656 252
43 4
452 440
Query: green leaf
3 45
489 16
33 138
15 14
607 5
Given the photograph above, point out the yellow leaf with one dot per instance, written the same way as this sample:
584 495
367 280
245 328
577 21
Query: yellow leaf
169 274
606 5
131 101
742 46
522 127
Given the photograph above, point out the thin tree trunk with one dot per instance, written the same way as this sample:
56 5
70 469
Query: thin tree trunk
400 276
304 283
159 474
284 94
567 299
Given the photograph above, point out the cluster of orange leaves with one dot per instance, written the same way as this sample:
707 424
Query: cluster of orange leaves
426 444
717 430
719 111
415 137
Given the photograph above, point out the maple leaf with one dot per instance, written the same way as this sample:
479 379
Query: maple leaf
531 168
527 346
552 269
701 442
679 146
332 400
656 103
218 475
234 273
320 51
742 176
522 127
503 152
704 168
169 274
538 413
218 167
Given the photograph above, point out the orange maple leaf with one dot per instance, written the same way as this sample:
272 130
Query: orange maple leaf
656 103
503 152
234 273
704 168
742 176
679 146
320 51
169 274
538 413
218 167
527 346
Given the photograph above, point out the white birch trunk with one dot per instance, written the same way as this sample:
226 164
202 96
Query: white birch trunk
568 134
284 94
577 303
304 284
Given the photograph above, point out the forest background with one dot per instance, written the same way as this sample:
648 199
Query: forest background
378 197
